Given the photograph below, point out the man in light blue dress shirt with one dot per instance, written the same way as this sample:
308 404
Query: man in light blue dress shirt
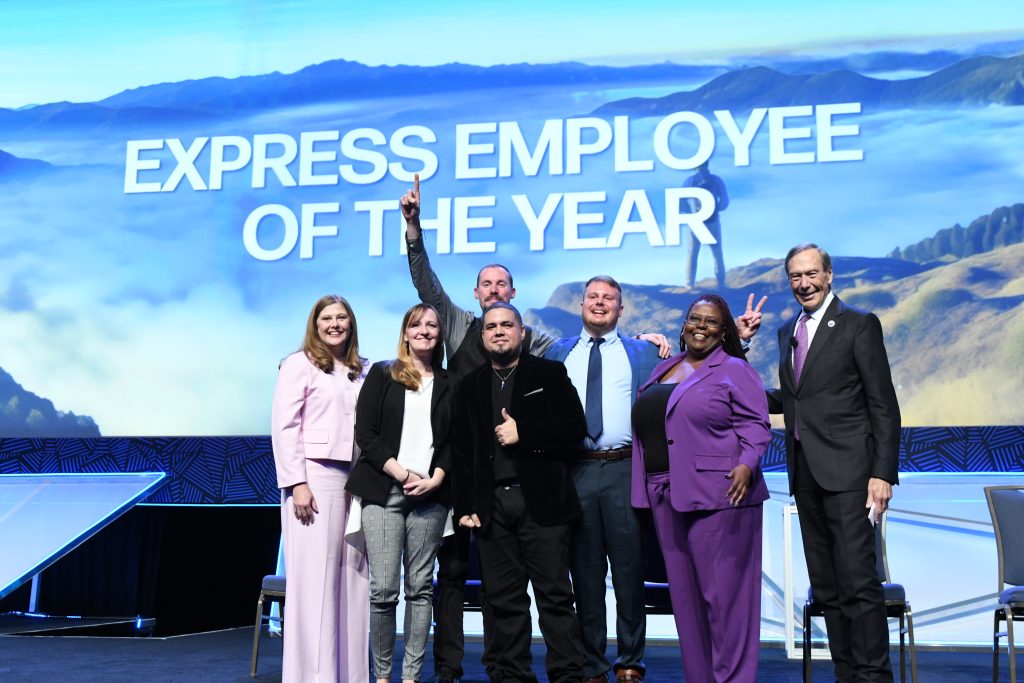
609 531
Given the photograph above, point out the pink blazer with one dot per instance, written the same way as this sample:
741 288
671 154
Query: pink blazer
313 416
715 419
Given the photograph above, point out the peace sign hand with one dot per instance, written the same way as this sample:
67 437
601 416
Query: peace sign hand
750 321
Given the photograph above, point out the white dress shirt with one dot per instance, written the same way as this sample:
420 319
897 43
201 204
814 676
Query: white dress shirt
813 321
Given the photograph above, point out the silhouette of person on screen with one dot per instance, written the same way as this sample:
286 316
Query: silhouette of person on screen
703 178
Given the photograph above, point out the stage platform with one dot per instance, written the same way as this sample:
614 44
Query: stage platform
223 656
19 624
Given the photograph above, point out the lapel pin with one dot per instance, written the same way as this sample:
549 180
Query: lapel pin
831 323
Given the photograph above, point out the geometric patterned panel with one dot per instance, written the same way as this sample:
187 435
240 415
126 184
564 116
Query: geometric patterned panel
939 449
774 459
219 470
239 470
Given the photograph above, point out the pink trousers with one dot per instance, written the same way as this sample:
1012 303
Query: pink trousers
327 604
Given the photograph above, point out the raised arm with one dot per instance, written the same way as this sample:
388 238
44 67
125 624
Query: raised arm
455 320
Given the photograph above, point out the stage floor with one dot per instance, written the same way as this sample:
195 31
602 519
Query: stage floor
225 655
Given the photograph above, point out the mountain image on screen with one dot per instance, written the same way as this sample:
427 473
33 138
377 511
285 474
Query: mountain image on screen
931 314
23 414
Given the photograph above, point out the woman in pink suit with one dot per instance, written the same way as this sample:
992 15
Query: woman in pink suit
700 426
313 429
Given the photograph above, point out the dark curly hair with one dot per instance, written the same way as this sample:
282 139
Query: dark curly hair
730 333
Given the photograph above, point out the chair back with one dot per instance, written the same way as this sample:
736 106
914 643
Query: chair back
881 559
1006 505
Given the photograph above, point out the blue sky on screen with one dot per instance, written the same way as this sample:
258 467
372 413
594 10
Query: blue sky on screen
108 46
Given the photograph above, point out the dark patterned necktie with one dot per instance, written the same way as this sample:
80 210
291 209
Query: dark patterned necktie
595 421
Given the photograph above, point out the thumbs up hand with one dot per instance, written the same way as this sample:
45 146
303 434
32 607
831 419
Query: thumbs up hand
507 432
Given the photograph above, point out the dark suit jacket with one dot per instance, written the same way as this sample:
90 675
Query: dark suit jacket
845 403
550 422
379 415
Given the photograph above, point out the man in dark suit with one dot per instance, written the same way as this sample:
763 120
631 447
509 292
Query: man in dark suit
518 421
842 448
606 368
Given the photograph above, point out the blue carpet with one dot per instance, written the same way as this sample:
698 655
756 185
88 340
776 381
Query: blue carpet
224 656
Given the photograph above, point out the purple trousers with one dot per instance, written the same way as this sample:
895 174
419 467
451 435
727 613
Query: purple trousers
713 563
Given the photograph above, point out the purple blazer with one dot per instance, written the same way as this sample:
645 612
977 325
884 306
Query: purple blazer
716 419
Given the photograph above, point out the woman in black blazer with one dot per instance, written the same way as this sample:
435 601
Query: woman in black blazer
403 423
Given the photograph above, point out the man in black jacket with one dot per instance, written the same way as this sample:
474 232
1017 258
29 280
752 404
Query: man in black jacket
518 422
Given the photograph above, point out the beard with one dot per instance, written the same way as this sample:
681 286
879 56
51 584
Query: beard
505 357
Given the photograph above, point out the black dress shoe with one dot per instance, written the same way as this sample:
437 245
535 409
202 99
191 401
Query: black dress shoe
446 676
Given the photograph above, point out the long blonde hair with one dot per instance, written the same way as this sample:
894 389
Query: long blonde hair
402 369
315 348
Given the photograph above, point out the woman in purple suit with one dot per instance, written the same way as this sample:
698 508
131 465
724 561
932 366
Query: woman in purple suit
700 425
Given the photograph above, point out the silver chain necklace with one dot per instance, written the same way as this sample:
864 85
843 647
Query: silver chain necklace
505 378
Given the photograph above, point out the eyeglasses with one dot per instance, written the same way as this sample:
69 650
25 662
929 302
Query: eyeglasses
710 323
